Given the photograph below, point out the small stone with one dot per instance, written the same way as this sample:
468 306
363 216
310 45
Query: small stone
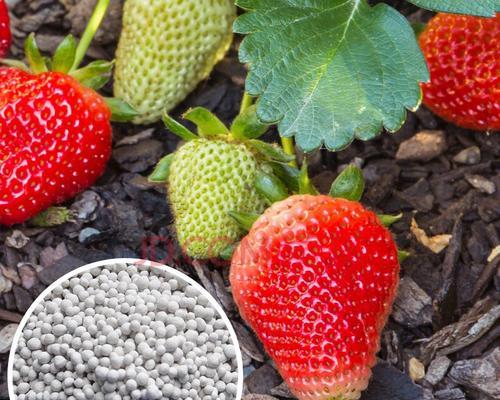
437 370
481 183
471 155
424 146
87 233
6 336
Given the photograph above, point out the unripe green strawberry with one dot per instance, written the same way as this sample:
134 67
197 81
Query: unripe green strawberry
166 48
207 180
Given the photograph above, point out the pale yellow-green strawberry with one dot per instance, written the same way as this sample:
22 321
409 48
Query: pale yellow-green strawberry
167 47
212 175
208 179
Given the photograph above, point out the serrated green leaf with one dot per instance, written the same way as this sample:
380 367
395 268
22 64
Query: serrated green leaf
349 185
330 70
207 123
247 126
271 152
178 129
64 56
162 169
481 8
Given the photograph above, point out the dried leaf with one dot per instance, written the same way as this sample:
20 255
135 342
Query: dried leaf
416 370
434 243
495 252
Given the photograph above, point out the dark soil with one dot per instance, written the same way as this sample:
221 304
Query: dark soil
446 315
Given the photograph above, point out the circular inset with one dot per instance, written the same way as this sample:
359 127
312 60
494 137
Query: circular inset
125 330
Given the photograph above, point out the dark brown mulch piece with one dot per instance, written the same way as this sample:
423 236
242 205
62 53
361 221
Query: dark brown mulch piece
479 374
390 384
263 380
471 327
444 300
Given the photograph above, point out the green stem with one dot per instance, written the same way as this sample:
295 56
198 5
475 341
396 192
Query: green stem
289 148
246 102
95 21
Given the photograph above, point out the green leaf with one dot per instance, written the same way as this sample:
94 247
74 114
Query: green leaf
403 255
271 152
481 8
305 184
178 129
92 70
96 82
207 123
35 59
330 70
287 174
162 169
120 110
349 185
9 62
388 220
64 56
270 187
51 217
247 125
244 220
227 253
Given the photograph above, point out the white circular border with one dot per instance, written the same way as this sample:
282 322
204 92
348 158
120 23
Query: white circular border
138 263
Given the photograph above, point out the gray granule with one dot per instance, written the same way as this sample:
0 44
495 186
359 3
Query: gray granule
123 333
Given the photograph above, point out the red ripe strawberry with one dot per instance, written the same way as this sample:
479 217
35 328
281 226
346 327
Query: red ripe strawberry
55 130
5 35
315 278
55 140
462 53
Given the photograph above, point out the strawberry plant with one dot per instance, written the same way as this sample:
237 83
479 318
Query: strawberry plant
55 131
330 71
212 174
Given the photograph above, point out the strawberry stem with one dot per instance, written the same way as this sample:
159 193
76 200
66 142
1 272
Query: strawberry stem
95 21
246 102
289 148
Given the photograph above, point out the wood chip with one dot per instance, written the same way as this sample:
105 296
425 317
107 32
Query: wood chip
434 243
470 328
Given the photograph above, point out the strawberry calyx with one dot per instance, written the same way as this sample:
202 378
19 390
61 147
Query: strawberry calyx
287 180
245 129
